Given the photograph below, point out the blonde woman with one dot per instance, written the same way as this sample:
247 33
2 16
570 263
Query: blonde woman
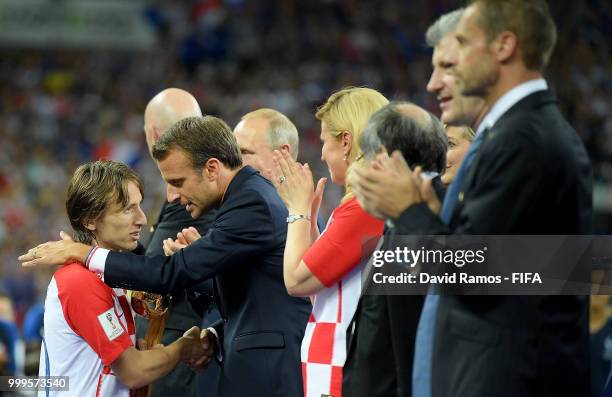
459 139
328 267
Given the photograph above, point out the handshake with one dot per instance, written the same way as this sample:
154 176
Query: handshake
196 348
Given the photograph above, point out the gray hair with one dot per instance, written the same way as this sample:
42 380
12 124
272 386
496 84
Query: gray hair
421 142
280 131
446 24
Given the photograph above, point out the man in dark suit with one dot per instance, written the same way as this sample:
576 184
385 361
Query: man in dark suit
386 325
525 173
381 344
165 109
262 326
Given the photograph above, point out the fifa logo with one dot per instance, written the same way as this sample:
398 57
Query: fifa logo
109 317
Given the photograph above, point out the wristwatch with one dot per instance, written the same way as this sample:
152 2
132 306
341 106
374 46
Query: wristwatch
295 217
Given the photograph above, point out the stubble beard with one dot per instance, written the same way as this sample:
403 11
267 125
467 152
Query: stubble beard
479 83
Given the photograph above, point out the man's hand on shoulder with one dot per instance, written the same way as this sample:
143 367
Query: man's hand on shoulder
55 252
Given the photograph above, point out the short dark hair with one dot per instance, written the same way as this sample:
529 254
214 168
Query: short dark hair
92 188
421 143
529 20
201 138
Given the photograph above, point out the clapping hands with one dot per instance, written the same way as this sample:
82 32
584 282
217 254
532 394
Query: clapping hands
294 183
388 186
183 239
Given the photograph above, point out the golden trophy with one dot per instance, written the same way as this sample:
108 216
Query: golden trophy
155 308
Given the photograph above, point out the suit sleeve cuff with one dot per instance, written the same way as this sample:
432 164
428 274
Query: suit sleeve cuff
418 219
97 260
218 347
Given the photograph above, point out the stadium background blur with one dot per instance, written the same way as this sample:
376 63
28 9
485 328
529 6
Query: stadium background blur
68 99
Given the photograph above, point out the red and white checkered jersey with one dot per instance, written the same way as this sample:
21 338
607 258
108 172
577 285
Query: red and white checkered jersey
336 259
87 326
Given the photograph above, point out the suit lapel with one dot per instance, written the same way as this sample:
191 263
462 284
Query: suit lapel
537 99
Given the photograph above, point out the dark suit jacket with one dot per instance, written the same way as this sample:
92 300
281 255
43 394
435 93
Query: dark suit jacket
172 219
380 340
380 351
531 176
243 251
182 380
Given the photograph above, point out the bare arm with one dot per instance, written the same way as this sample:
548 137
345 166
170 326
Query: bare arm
294 184
314 229
137 368
298 278
314 212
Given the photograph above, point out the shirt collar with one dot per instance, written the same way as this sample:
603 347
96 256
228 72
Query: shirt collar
509 99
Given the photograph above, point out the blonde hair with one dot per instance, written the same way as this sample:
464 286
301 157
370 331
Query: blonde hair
467 132
280 129
349 110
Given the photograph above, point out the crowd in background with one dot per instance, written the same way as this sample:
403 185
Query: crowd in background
59 108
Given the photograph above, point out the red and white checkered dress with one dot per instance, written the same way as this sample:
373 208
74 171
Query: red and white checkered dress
336 259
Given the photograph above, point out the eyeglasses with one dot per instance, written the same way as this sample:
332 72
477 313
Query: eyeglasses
150 305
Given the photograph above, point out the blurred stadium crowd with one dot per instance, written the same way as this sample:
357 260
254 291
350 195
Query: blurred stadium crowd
59 108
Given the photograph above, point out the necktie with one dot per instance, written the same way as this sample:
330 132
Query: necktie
423 349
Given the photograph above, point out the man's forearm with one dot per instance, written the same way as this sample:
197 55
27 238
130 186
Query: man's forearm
137 368
158 362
